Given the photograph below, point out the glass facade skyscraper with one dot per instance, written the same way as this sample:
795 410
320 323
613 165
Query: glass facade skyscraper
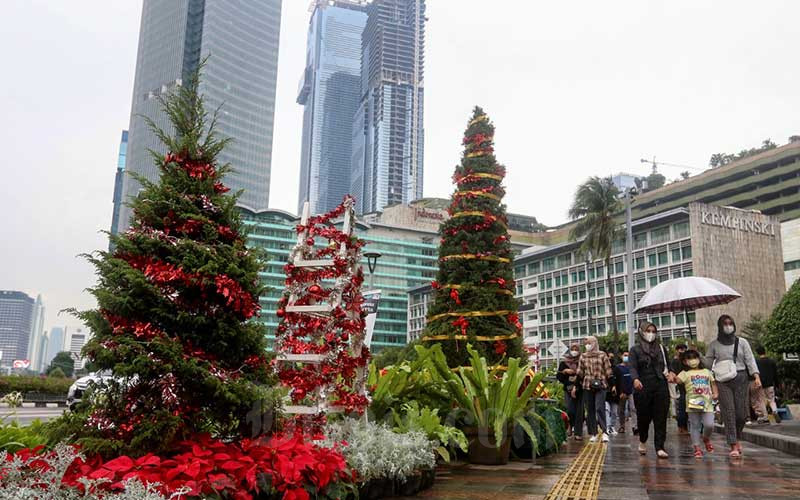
18 315
388 132
123 149
240 40
330 89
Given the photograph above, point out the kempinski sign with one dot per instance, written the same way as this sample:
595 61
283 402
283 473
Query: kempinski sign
744 224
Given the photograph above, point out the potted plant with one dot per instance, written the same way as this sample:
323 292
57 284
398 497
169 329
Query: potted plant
494 401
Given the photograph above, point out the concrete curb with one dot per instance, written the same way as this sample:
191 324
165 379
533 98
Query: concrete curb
762 437
34 404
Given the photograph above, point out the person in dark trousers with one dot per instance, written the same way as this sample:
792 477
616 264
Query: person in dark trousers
573 394
676 366
622 376
648 366
612 399
595 371
768 371
733 394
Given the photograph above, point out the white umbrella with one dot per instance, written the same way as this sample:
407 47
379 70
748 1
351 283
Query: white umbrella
686 294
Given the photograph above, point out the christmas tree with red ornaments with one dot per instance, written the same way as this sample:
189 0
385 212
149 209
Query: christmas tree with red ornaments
175 302
474 290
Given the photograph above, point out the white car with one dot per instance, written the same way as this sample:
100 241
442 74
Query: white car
77 389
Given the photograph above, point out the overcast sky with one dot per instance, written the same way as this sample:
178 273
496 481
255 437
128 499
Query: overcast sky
574 88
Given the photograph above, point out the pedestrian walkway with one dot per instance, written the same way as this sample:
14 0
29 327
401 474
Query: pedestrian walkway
762 474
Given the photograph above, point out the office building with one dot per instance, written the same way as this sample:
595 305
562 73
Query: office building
407 238
76 338
55 345
625 181
388 127
566 298
118 179
240 40
330 90
37 334
18 315
768 182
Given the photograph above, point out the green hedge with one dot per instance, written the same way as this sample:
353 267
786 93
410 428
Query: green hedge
25 384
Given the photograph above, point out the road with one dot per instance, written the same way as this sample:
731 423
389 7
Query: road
27 415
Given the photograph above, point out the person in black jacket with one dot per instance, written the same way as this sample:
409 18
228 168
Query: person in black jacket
612 399
573 394
648 366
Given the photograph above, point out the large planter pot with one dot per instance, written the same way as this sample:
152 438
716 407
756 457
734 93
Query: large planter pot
379 487
483 449
794 409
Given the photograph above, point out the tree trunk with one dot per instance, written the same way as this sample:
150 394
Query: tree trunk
613 305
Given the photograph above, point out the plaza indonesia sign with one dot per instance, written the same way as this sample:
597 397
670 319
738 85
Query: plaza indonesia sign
743 224
421 213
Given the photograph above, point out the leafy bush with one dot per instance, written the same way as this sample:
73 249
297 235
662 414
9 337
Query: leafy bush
27 476
551 431
41 384
14 438
783 327
429 422
375 451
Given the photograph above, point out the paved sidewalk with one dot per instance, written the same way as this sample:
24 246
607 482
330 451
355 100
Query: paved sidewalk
762 473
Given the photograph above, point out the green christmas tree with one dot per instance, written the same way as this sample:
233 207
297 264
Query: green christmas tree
175 299
474 290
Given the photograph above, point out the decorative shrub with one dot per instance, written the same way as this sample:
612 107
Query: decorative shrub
428 421
13 437
548 425
12 399
41 384
375 451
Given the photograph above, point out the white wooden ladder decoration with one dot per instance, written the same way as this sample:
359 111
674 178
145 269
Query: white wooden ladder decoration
323 309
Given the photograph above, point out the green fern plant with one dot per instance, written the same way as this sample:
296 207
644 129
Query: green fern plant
428 421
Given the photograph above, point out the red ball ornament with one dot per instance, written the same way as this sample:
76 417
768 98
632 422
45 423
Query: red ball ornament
310 242
315 289
281 313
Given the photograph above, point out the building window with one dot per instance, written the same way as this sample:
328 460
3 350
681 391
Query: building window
639 262
601 291
582 294
592 293
600 272
651 260
663 278
662 258
676 255
666 321
619 287
681 230
640 284
558 281
639 241
533 268
688 273
621 307
601 309
619 267
653 281
660 235
548 264
564 260
566 315
687 252
548 283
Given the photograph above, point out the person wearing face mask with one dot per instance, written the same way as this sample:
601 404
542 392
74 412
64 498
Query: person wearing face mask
573 394
727 351
612 399
648 366
622 375
700 390
595 370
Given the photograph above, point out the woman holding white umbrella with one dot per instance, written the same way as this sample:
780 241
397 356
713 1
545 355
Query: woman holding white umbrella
733 363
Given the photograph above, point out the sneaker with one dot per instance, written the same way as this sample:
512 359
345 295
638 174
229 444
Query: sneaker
662 454
735 453
604 438
709 446
593 439
612 432
622 431
642 449
763 420
578 438
635 431
698 453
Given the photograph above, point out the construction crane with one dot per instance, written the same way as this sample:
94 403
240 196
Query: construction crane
655 164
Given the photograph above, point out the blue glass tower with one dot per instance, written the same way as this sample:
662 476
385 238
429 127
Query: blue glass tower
241 40
387 164
330 90
123 150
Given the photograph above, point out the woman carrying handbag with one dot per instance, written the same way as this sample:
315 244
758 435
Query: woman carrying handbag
733 364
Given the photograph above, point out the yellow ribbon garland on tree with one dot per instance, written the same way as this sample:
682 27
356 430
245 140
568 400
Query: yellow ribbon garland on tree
478 119
475 213
461 287
473 256
470 314
479 338
477 193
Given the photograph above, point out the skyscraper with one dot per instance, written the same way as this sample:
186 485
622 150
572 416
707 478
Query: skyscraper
37 333
123 149
330 91
55 344
18 314
241 40
387 131
76 339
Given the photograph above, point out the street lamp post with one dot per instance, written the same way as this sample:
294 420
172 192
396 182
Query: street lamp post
372 263
629 257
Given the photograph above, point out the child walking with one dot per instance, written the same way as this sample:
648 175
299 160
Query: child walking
701 390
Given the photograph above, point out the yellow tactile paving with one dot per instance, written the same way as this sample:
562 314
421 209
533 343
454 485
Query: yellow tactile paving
581 481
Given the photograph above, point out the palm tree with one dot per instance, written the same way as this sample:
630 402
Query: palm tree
594 208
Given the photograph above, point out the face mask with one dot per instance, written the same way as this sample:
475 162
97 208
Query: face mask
649 336
728 329
574 354
693 363
589 347
624 359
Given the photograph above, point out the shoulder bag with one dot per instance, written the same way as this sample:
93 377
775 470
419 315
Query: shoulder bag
725 370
